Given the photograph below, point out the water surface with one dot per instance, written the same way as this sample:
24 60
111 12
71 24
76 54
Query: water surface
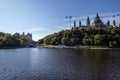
59 64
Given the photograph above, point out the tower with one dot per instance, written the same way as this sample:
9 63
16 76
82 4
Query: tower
108 23
29 37
23 34
97 16
79 23
74 24
97 21
114 23
88 21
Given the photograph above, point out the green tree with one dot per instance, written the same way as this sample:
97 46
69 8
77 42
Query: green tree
65 41
87 40
98 39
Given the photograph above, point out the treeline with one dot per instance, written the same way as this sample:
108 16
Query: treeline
15 40
108 37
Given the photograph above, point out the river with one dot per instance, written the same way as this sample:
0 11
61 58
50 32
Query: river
59 64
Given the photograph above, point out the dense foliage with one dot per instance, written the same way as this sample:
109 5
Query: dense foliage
88 36
15 40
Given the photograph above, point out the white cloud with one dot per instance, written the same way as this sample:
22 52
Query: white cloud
63 27
36 37
35 29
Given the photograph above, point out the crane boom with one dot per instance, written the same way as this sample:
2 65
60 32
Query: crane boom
70 17
116 15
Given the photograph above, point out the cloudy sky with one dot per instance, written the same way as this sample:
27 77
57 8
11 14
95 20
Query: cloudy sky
43 17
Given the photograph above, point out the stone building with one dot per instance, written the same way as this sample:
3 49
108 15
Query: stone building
28 36
88 22
97 22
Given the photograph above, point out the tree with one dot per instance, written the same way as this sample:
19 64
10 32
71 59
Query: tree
23 42
97 39
113 44
41 41
65 41
87 40
86 36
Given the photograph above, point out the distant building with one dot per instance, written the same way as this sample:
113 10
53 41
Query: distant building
74 23
79 23
108 23
114 23
28 36
88 21
97 23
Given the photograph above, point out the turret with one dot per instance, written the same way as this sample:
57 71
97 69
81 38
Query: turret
23 34
88 21
97 16
108 23
79 23
74 24
114 23
97 21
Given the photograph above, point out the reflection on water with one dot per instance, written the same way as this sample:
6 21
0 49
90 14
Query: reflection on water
34 57
96 56
59 64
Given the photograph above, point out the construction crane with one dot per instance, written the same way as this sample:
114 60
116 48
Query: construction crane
114 23
115 15
70 18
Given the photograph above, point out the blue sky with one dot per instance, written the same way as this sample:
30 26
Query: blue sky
43 17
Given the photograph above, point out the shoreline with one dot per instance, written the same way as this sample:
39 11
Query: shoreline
64 47
15 47
76 47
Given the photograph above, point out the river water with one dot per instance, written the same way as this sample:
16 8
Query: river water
59 64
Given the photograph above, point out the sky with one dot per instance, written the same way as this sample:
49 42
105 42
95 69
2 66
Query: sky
43 17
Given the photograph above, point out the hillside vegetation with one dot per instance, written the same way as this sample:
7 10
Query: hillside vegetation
15 40
108 37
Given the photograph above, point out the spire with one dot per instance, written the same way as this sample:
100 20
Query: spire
79 23
88 21
23 34
97 16
97 21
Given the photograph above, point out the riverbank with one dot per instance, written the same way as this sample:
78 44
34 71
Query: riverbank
77 47
14 47
55 46
63 46
10 47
